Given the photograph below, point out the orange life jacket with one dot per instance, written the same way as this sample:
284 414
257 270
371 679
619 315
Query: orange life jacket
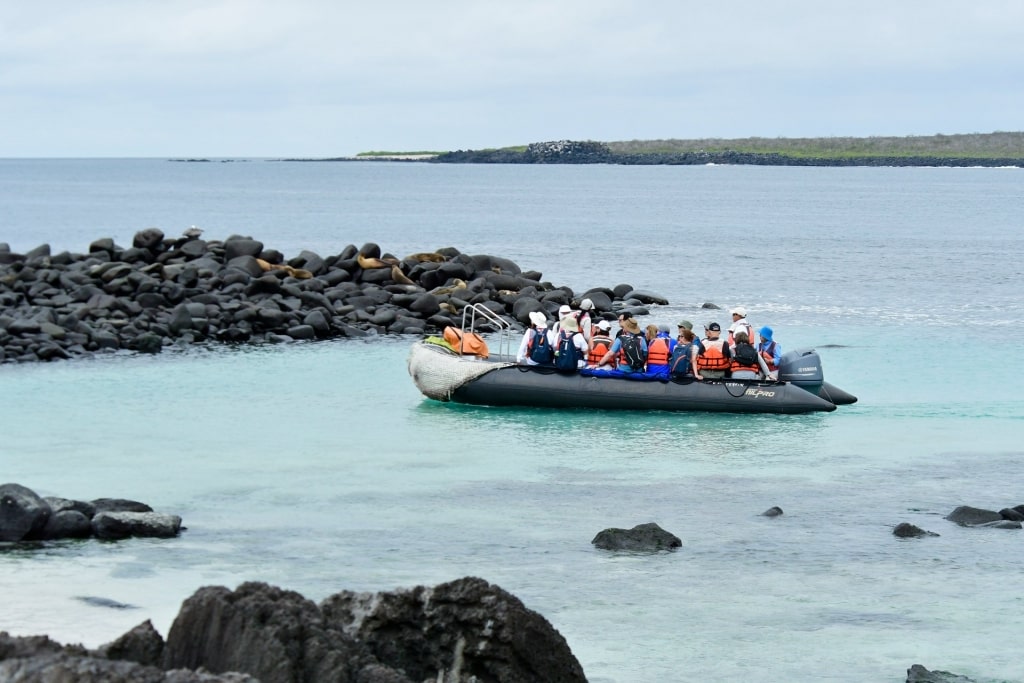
735 363
657 352
713 357
601 345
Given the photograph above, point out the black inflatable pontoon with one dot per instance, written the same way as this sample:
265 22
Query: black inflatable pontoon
441 374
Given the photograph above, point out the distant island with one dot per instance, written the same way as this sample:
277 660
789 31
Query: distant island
973 149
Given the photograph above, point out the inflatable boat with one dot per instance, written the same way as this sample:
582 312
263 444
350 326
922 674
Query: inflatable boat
442 373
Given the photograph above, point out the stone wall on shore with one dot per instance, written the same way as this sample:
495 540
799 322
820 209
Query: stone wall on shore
164 291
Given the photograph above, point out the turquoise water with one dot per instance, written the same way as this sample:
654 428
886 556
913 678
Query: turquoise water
319 467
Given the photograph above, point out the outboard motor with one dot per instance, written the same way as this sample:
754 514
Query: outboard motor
802 367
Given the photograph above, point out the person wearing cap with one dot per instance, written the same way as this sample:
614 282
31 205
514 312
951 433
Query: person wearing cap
687 325
740 324
528 347
599 343
770 350
564 311
714 358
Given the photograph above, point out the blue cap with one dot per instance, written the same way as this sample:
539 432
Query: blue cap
766 333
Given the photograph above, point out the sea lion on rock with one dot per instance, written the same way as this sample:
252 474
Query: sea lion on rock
369 263
398 276
457 285
429 257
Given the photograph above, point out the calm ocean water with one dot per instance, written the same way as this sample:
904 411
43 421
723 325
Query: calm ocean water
319 467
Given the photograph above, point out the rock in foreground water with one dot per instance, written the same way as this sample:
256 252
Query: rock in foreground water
463 631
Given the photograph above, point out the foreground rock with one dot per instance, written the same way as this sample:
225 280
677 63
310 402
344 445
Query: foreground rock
25 516
643 537
460 632
163 291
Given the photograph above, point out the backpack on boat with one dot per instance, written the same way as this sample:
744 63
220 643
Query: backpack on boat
539 350
568 355
679 361
745 354
633 352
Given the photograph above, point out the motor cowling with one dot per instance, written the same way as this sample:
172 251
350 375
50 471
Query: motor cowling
803 368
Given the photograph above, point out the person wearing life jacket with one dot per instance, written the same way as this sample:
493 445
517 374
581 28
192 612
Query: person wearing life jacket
714 358
740 324
745 363
629 327
687 325
684 354
599 343
770 350
659 350
538 326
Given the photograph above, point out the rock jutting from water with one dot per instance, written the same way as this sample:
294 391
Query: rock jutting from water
27 516
461 631
178 291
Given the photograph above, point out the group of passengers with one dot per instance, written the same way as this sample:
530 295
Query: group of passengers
581 340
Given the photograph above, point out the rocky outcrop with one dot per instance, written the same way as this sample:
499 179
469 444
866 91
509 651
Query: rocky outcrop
919 674
26 516
1008 518
464 631
643 537
908 530
164 292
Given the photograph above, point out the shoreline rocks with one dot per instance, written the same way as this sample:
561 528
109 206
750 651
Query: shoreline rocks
164 291
461 631
26 516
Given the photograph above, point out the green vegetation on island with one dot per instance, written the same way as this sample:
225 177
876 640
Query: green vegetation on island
974 149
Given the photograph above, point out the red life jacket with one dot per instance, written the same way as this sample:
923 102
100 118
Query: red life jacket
768 353
657 351
713 357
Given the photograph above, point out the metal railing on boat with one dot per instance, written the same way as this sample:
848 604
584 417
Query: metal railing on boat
504 327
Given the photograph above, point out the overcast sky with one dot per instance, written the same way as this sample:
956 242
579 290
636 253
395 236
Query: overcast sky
321 78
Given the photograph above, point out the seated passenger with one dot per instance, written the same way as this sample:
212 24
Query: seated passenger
564 311
745 361
659 349
770 351
714 358
600 342
537 346
629 349
570 346
684 355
